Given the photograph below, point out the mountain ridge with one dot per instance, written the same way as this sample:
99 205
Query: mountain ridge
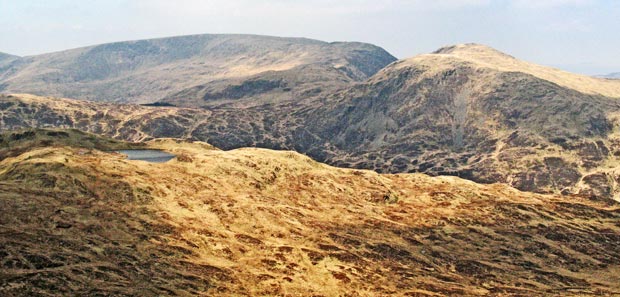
614 75
144 71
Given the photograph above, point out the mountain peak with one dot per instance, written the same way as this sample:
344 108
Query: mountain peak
484 57
474 52
467 47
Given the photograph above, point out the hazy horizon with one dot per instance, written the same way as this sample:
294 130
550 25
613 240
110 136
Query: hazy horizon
574 35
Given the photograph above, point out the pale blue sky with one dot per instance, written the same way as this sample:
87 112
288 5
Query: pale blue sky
576 35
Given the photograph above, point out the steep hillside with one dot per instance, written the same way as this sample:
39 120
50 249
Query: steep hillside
79 221
150 70
479 118
298 83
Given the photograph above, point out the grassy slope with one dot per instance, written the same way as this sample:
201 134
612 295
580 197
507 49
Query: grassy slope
261 222
15 143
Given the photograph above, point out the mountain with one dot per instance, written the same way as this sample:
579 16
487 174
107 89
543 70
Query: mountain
195 68
615 75
472 111
466 110
260 222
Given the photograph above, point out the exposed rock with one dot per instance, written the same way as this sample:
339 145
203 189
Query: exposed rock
597 185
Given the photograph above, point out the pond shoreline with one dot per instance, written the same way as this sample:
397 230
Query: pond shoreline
147 155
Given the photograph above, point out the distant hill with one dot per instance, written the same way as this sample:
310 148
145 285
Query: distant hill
146 71
4 57
615 75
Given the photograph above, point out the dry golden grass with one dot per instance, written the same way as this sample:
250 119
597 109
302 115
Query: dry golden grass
276 223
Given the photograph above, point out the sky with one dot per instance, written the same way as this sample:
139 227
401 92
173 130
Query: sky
581 36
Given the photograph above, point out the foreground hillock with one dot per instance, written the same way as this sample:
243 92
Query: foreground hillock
81 221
